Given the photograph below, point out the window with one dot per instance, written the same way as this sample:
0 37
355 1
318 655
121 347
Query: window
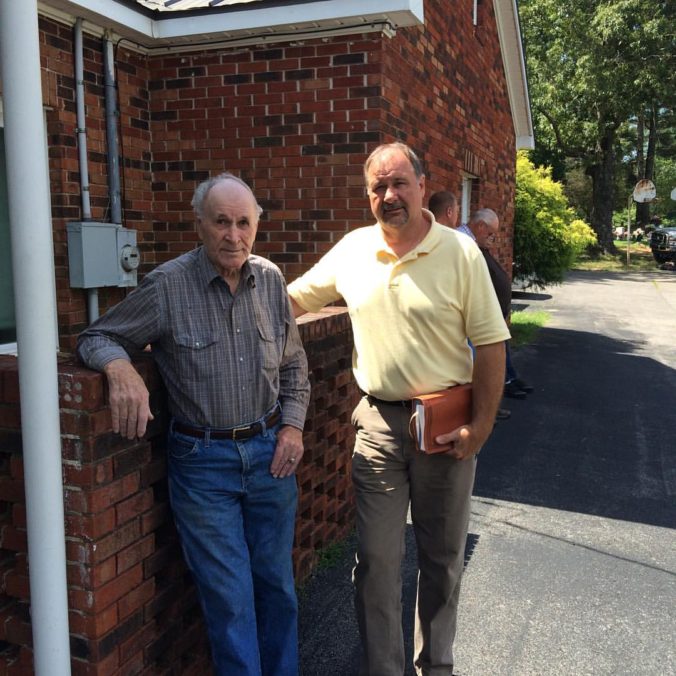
466 198
7 320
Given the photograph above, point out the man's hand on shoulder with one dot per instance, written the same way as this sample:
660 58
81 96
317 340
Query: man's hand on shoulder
288 452
129 399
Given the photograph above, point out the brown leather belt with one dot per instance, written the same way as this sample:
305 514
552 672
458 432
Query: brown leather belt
406 403
233 433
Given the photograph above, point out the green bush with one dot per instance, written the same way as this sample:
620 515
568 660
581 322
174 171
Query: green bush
547 235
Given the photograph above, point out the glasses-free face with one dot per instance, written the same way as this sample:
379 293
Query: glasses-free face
228 226
395 192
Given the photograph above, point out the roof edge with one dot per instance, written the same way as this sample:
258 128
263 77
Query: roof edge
243 25
513 58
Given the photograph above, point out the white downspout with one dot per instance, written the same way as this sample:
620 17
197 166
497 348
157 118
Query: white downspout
33 270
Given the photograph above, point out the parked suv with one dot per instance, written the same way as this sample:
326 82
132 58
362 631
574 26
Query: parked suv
663 244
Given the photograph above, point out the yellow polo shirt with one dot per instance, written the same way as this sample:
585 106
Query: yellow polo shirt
411 317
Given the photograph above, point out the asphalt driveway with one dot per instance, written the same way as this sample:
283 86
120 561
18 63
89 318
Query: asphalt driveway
571 560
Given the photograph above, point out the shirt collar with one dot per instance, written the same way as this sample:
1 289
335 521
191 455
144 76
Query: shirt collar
466 230
208 272
428 243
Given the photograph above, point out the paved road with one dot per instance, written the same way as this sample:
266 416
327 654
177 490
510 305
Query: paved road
571 564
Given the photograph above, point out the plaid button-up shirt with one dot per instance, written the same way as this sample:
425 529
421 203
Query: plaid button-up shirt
225 359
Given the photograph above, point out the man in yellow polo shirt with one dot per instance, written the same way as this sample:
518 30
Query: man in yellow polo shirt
415 291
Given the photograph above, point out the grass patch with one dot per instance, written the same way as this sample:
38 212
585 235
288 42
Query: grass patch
327 557
525 325
640 259
331 555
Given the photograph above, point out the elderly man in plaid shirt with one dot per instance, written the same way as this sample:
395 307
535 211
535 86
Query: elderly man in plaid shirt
227 347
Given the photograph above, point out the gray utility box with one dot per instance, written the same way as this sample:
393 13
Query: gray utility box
101 254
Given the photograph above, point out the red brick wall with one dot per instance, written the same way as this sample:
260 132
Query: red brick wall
295 121
445 95
132 606
58 85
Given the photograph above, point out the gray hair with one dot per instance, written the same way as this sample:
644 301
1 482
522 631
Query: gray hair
203 189
403 148
483 215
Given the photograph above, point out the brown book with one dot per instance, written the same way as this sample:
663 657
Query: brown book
439 413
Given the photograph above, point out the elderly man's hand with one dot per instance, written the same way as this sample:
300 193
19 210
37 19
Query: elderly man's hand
288 453
129 396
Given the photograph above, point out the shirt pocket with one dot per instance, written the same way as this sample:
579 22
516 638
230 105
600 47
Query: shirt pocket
196 354
271 345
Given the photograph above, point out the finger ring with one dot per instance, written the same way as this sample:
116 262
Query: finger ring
292 460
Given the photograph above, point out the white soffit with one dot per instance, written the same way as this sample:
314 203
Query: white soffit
245 22
509 33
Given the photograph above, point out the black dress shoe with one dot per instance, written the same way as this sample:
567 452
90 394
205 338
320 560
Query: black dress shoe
522 385
514 392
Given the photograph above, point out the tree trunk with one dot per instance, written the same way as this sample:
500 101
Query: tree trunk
640 143
603 192
643 210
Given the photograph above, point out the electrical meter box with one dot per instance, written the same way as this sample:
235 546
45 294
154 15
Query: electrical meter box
101 254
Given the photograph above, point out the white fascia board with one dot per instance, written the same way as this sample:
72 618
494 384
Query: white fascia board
511 47
105 13
327 14
182 30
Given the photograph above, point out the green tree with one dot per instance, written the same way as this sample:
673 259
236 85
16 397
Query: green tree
592 66
648 145
547 235
665 181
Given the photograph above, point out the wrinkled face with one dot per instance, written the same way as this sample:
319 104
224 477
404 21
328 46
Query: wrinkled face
394 191
228 226
485 233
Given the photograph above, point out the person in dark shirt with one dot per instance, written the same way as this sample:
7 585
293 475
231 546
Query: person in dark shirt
484 225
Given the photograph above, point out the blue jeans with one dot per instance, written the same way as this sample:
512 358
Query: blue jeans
236 524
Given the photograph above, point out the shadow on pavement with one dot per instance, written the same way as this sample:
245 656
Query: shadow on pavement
328 634
597 436
530 295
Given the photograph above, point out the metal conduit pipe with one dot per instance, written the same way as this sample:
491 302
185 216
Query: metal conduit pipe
81 122
33 270
111 131
92 294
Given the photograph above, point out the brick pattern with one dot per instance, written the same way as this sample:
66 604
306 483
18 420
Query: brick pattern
296 121
326 500
132 606
445 95
58 86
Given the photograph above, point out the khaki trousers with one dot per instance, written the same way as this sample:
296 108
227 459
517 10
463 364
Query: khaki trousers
388 473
